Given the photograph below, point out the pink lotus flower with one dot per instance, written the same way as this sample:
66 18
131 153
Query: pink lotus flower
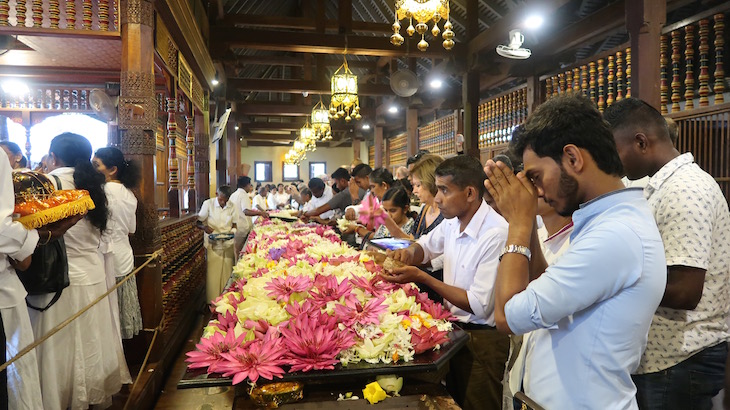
260 272
257 358
424 339
375 286
326 288
210 351
338 260
372 267
283 288
354 312
295 309
436 310
314 342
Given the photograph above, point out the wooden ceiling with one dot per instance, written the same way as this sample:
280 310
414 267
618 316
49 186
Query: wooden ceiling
276 56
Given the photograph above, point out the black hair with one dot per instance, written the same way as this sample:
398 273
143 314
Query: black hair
127 171
243 182
464 171
12 147
225 190
401 199
637 115
405 184
280 184
23 162
361 170
305 191
341 173
382 175
569 119
73 150
316 184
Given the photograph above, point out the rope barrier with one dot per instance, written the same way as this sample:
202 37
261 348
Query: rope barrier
144 362
65 323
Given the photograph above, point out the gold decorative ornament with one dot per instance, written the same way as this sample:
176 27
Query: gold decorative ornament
423 11
345 102
321 121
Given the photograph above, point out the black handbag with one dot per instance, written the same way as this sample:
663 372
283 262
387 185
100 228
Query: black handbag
48 271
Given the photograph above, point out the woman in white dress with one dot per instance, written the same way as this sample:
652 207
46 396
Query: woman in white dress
121 176
81 364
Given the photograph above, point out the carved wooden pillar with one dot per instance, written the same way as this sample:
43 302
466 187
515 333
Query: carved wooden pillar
470 96
137 88
601 100
619 76
610 78
411 132
173 193
70 14
644 21
704 76
190 146
356 148
663 84
202 160
592 80
675 71
20 11
689 79
4 12
548 87
719 86
628 72
584 79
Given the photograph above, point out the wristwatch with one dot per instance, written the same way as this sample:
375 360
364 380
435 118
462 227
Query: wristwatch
522 250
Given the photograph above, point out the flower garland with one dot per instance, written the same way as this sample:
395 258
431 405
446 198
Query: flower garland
303 301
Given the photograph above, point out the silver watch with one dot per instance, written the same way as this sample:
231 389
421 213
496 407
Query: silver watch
522 250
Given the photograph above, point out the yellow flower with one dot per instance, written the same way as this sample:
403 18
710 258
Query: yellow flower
373 393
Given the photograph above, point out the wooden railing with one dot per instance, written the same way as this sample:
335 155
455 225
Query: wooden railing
92 15
60 98
501 114
398 150
438 136
705 132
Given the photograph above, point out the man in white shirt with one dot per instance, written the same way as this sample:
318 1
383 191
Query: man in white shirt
321 194
258 205
241 202
218 216
469 238
683 364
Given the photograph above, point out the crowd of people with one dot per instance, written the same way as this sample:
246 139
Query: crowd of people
83 364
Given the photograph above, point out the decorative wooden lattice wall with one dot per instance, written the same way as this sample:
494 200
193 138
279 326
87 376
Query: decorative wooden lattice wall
371 156
499 115
438 136
398 150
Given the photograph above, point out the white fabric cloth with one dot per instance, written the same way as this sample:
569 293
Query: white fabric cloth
635 183
259 204
220 254
241 201
470 260
315 202
220 220
271 202
282 198
24 389
81 363
693 219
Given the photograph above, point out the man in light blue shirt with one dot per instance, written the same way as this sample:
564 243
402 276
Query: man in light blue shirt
591 311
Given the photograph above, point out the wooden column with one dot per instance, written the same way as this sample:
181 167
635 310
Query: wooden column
202 160
386 158
411 132
137 87
470 96
644 21
378 147
534 94
173 193
190 148
233 154
356 148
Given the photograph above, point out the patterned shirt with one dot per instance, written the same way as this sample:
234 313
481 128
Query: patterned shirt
693 219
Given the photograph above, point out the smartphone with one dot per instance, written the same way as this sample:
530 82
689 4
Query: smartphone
391 244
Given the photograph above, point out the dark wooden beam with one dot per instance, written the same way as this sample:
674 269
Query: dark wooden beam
284 110
299 86
271 137
344 10
292 61
303 42
301 23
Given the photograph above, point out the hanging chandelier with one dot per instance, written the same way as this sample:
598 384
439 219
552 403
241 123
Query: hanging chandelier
345 102
308 137
423 11
321 121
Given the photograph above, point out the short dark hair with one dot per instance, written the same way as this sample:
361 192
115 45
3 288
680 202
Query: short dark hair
569 119
12 147
637 115
341 173
361 170
225 190
243 182
316 184
382 175
464 171
306 191
398 196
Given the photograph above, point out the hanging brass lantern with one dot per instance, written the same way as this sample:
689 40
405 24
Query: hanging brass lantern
345 102
423 11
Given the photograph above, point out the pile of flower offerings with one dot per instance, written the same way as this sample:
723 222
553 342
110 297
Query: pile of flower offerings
303 300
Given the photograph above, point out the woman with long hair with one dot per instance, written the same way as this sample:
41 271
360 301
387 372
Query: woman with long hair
121 177
81 364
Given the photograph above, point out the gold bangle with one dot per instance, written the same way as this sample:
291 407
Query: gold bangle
48 239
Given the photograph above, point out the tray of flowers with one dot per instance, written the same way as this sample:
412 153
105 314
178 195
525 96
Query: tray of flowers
304 306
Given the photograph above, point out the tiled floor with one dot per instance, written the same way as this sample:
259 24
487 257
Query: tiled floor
213 398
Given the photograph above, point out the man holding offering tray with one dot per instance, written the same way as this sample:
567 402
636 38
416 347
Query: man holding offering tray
470 238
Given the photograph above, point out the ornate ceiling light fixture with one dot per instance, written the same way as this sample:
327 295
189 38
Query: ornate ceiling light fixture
308 137
345 102
423 11
321 121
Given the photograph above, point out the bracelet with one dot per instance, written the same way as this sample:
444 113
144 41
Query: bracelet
47 239
522 250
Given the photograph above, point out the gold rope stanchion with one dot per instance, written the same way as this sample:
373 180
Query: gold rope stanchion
65 323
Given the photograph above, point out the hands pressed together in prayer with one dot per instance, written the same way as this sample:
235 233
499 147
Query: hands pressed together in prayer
513 196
